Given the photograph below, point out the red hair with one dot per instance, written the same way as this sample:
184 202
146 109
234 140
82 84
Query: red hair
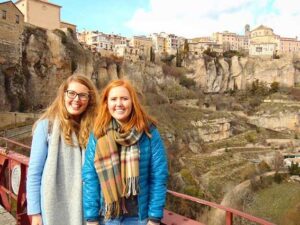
138 116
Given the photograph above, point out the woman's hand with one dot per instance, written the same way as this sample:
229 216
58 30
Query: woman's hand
92 223
36 219
152 223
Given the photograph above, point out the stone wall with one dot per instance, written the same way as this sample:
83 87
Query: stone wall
7 118
10 33
213 130
281 121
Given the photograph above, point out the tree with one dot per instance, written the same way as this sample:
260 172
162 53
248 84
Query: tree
178 58
278 161
294 169
186 48
152 55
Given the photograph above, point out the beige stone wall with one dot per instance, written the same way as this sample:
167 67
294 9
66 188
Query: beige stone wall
68 25
264 49
143 44
40 13
7 118
10 33
288 45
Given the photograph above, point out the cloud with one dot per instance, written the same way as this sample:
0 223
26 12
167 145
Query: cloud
194 18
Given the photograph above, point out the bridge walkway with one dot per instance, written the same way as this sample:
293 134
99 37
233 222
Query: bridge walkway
6 218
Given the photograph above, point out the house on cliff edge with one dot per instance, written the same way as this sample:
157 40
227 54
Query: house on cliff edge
11 28
43 14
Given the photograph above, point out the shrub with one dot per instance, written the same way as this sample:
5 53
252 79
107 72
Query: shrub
274 87
258 88
251 137
210 53
231 53
171 71
278 178
294 169
166 58
263 167
187 82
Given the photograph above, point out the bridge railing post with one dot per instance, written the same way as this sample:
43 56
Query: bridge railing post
229 218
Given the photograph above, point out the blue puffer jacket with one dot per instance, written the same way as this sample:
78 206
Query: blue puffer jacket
152 182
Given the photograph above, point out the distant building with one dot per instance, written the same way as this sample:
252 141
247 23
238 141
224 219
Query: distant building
263 41
43 14
289 45
158 43
101 42
11 29
143 43
171 43
127 52
198 45
232 41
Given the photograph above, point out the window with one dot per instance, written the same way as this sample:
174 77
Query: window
258 49
17 19
4 14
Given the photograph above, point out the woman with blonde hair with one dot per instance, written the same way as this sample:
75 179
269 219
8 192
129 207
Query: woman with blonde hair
125 170
54 183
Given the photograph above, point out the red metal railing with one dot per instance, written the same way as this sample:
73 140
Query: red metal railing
14 166
229 211
13 171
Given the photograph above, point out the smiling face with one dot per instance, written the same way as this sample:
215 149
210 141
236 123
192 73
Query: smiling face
119 104
76 106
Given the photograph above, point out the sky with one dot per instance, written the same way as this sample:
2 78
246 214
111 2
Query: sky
187 18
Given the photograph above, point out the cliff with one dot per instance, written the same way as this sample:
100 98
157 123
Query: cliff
222 74
48 57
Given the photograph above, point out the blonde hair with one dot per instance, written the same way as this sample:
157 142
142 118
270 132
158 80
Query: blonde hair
58 110
138 117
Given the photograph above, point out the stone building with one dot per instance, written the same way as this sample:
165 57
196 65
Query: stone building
289 45
263 41
158 43
143 43
43 14
11 29
232 41
198 45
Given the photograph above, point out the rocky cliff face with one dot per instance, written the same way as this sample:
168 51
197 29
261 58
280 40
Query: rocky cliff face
221 74
48 57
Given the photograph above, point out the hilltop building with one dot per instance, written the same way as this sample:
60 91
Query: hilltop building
11 28
43 14
198 45
143 43
263 41
233 41
100 42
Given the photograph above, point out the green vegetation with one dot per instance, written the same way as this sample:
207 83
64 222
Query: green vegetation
210 53
186 82
278 203
294 169
231 53
274 87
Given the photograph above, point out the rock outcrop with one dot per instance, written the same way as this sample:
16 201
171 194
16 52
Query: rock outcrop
48 57
221 74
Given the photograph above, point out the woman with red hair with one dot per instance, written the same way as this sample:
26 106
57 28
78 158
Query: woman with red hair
125 170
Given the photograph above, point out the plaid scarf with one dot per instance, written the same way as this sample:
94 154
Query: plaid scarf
118 173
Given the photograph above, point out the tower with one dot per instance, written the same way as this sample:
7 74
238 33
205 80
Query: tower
247 30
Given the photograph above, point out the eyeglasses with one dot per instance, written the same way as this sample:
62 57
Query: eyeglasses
82 96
